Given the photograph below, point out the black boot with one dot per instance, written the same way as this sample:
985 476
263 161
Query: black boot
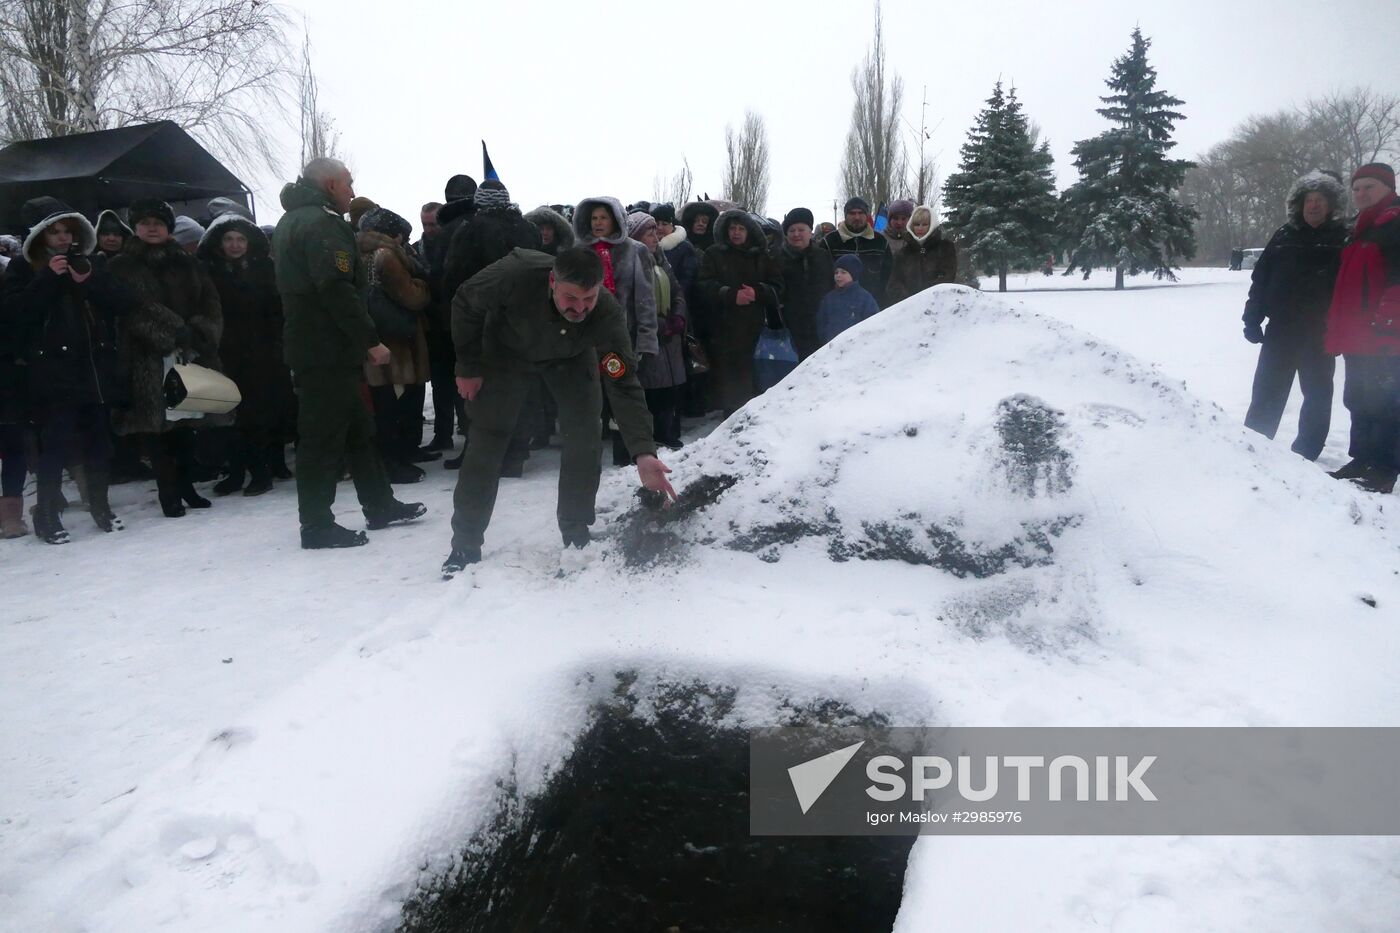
452 463
277 461
441 442
393 513
458 561
99 505
400 473
1353 470
169 497
1377 479
331 536
48 526
192 498
260 479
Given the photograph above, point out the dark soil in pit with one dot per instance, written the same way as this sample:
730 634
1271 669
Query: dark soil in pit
646 828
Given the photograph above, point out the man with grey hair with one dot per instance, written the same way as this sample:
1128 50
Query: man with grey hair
529 316
329 336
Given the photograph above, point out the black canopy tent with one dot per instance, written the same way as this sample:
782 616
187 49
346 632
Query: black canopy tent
109 169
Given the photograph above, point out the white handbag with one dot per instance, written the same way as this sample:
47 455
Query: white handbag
193 390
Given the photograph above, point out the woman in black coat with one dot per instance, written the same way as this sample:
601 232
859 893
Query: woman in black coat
743 287
236 254
62 307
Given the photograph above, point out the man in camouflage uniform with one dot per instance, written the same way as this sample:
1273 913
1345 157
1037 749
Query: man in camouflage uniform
328 338
532 314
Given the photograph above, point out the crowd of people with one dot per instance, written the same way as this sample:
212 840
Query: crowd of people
585 321
335 324
1326 290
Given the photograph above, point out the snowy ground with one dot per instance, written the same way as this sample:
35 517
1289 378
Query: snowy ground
205 728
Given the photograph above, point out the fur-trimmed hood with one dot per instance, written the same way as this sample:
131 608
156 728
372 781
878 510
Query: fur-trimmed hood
695 209
1316 180
55 212
114 217
673 239
563 230
212 241
757 240
583 233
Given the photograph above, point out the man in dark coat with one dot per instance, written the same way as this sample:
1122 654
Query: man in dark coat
807 276
532 314
743 287
856 237
328 338
1291 289
496 228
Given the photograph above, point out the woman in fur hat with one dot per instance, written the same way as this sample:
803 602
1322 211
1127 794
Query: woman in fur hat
176 311
60 308
398 388
235 253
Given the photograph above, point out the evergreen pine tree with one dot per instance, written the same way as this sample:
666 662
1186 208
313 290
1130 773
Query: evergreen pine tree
1001 203
1123 212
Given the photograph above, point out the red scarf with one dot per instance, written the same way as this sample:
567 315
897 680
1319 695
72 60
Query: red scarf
604 251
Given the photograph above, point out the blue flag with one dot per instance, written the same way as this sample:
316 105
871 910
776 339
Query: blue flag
487 167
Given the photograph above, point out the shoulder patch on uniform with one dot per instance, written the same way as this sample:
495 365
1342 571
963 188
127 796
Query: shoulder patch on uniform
613 367
342 260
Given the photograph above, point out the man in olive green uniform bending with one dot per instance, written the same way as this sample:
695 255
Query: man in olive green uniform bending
529 314
328 337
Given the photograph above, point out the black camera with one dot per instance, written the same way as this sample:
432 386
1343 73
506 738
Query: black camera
77 261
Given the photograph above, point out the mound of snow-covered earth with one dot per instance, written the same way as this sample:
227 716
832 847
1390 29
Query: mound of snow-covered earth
959 513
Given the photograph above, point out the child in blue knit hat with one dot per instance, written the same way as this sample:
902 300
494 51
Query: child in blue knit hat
846 305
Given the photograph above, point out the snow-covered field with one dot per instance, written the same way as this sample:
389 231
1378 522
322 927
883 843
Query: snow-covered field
205 728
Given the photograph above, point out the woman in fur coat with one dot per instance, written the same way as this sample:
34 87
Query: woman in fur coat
176 311
397 388
236 254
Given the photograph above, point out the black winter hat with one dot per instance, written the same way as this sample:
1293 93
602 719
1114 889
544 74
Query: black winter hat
491 195
144 208
382 220
459 187
856 203
664 213
38 209
799 215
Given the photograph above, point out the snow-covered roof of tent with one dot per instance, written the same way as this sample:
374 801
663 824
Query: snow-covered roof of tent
110 168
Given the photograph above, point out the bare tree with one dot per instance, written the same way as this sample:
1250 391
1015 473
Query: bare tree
924 183
215 67
746 175
875 164
676 190
319 137
1361 124
1240 185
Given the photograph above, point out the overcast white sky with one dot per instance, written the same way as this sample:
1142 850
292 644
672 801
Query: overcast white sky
583 99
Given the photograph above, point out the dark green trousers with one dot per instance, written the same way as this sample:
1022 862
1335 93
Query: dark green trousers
494 414
336 429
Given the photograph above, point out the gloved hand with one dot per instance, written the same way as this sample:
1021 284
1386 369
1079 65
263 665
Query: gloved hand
1254 333
183 337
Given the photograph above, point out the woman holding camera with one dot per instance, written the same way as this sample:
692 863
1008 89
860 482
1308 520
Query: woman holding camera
61 306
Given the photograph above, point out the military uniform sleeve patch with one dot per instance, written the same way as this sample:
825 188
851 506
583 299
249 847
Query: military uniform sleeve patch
342 260
613 367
